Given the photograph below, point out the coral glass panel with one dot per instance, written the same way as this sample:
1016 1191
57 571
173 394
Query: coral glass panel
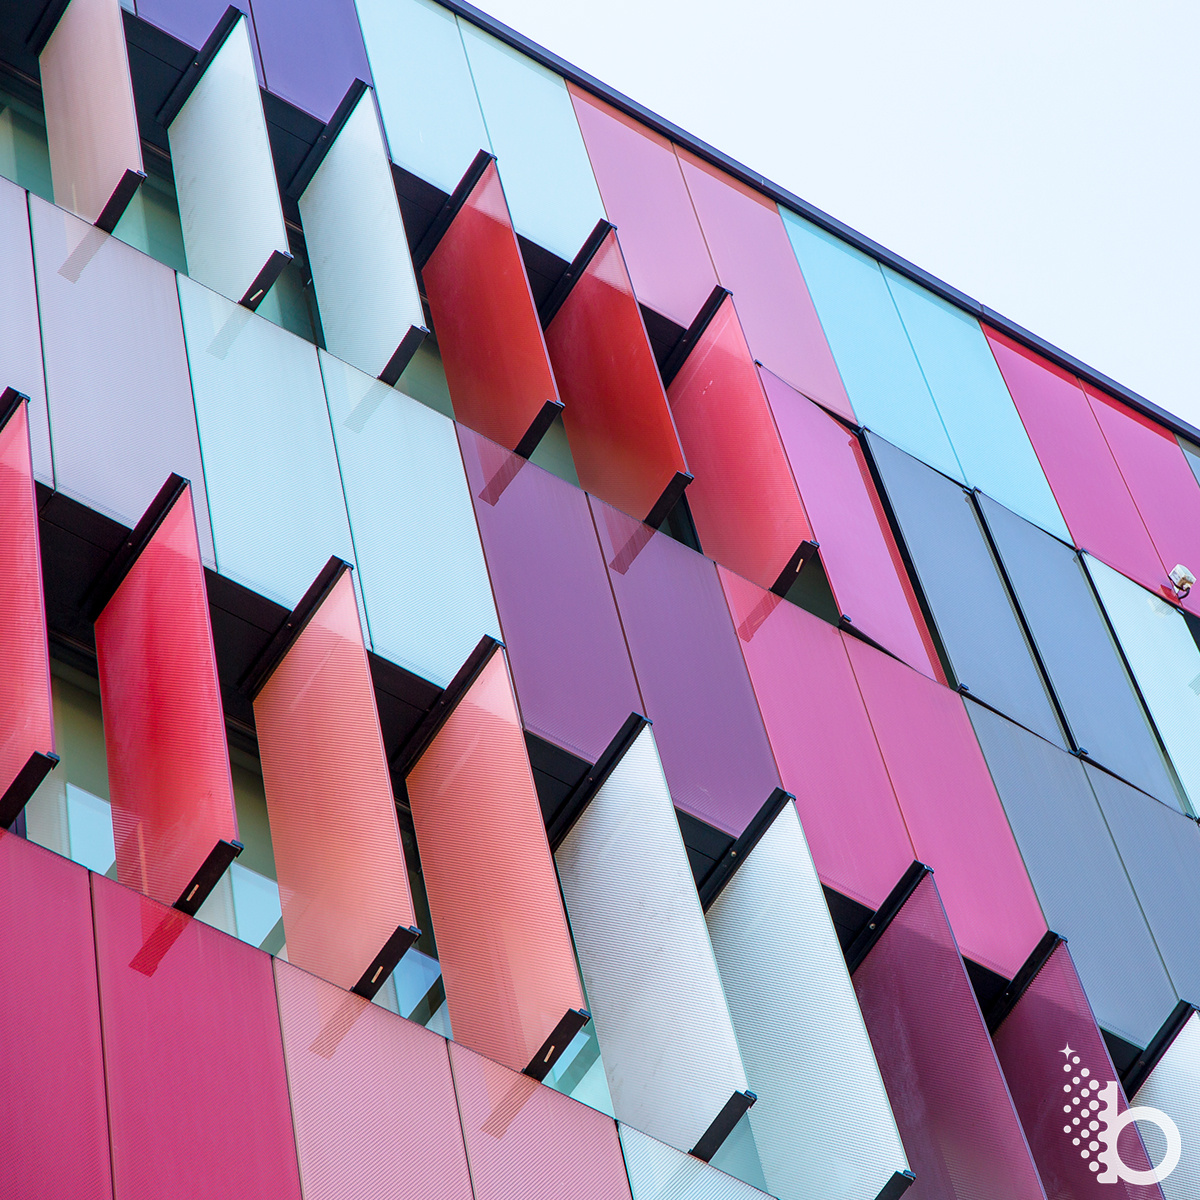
488 330
164 727
197 1094
622 437
502 937
343 886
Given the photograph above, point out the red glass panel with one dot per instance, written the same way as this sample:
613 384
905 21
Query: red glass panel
488 330
164 727
197 1094
343 885
747 510
502 938
51 1061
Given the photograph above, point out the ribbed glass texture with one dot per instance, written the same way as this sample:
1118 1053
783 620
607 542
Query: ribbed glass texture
660 1172
954 1111
1173 1087
502 936
164 726
822 1122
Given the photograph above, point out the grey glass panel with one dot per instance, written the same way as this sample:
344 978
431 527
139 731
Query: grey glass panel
1085 668
971 606
1078 876
1192 454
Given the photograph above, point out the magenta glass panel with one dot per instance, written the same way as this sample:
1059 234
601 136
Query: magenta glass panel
823 742
569 660
693 680
525 1140
51 1061
950 806
197 1094
952 1107
1054 1091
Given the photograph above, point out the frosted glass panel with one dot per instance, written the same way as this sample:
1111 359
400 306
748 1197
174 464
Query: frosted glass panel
659 1172
1173 1087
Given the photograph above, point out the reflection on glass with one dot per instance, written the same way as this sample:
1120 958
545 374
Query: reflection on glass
424 379
24 152
292 303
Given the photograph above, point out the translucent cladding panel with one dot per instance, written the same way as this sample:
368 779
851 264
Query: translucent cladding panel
1085 479
1076 648
971 607
164 727
342 881
110 328
357 247
747 510
488 330
191 21
822 1123
547 176
51 1059
670 1053
569 660
623 440
224 177
646 197
962 1135
424 583
191 1026
502 936
1192 454
660 1172
525 1140
1078 876
372 1097
276 495
823 742
754 260
430 110
1165 661
690 671
858 551
1173 1087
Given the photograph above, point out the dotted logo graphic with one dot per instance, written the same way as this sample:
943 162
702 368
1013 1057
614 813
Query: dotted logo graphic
1093 1124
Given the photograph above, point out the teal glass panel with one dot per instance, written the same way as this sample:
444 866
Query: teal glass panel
978 413
24 150
424 379
150 223
870 346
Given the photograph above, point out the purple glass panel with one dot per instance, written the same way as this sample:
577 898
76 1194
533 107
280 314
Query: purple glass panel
191 21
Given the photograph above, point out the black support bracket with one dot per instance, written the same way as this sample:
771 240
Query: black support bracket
1007 1000
1144 1064
13 802
207 878
325 139
466 185
196 68
795 565
885 915
733 858
560 1038
572 275
722 1126
693 334
385 962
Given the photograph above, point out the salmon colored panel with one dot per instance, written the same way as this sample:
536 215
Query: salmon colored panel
506 954
343 885
372 1097
525 1140
91 124
755 261
619 426
951 809
488 330
744 501
645 196
823 742
164 727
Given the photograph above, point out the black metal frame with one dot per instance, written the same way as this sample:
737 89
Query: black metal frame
1039 956
557 1041
726 867
722 1125
572 275
442 222
212 45
885 915
1140 1071
693 333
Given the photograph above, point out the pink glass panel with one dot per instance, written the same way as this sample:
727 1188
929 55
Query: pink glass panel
644 193
747 510
755 261
823 742
525 1140
164 727
343 885
372 1097
197 1094
622 437
26 715
506 954
51 1061
488 330
951 809
1045 1082
858 551
953 1110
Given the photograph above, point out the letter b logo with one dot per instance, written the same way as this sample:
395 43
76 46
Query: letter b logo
1113 1166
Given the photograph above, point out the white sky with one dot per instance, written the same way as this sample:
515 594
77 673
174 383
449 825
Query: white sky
1039 156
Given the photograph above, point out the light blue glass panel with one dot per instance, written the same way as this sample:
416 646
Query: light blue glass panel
426 96
255 904
424 581
24 151
1192 454
869 344
547 176
278 511
89 820
660 1172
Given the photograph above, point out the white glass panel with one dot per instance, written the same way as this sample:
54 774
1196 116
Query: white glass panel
1173 1087
659 1172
